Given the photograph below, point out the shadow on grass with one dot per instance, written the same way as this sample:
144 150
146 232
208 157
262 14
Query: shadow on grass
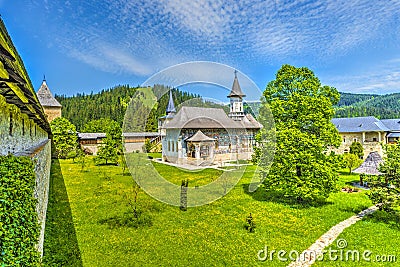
351 183
380 216
60 244
261 195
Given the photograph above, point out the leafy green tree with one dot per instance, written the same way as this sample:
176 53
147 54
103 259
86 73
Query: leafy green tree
112 145
385 189
65 137
302 109
351 161
357 149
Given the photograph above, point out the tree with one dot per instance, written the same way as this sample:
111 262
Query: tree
65 137
112 144
351 161
357 149
385 189
302 110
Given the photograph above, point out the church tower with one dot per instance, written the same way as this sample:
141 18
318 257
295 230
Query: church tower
236 95
51 107
170 113
171 106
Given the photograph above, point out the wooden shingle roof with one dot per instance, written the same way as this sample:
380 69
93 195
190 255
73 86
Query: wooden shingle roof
15 85
209 118
236 90
370 165
45 96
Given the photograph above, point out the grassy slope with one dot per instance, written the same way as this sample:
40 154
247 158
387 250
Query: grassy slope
203 236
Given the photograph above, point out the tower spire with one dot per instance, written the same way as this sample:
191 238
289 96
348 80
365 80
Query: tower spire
171 105
236 100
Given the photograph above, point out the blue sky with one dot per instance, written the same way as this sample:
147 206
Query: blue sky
85 46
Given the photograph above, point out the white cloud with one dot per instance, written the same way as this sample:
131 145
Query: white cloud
380 79
140 36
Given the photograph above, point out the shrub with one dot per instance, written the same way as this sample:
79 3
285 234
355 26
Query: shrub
250 225
19 229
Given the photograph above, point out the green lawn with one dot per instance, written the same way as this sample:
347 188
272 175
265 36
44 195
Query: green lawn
210 235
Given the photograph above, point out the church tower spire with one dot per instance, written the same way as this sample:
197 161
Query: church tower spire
236 95
171 105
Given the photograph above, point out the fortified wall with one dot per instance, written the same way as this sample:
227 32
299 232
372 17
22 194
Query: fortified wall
24 129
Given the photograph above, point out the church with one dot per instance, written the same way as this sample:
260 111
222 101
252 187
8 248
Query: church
204 136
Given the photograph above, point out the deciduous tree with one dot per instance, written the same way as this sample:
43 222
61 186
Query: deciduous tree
385 189
357 149
302 108
65 137
112 145
351 161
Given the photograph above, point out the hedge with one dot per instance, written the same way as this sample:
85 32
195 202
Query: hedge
19 228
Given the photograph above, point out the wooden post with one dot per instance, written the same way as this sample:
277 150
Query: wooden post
184 187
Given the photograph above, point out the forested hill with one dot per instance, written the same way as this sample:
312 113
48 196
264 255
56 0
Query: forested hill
112 103
360 105
380 106
109 103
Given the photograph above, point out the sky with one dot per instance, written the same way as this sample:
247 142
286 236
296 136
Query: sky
84 46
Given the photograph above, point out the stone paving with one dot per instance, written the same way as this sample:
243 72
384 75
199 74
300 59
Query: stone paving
309 256
191 167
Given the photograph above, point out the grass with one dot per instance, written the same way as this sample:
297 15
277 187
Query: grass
210 235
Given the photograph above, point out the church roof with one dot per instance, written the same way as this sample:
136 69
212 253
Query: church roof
171 105
46 98
209 118
236 90
15 84
370 165
199 137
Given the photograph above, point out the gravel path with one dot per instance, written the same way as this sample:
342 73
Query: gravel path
308 257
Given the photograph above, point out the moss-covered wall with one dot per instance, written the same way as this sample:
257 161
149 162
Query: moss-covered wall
17 131
26 138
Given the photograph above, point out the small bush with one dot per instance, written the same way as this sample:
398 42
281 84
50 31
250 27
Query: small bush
250 224
128 219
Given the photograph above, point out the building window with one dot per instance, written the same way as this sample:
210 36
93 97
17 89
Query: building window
23 127
176 146
355 140
169 146
374 139
344 140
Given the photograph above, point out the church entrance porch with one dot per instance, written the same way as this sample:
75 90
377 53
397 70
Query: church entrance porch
200 149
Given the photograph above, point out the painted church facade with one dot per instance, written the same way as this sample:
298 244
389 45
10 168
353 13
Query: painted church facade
204 136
